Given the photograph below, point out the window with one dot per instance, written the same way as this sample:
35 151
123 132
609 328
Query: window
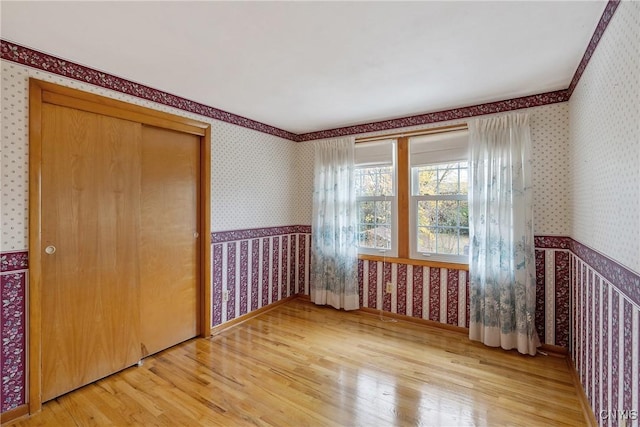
412 196
376 197
439 207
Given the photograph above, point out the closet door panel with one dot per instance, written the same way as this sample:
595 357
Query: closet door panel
90 222
169 238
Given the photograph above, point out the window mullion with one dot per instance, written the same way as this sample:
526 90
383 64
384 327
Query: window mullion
403 196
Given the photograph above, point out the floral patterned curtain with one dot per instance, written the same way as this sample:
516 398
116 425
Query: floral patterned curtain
502 264
334 254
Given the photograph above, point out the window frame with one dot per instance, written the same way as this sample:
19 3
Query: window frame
393 198
403 195
413 220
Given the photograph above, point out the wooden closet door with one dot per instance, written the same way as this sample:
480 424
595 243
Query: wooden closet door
90 217
169 240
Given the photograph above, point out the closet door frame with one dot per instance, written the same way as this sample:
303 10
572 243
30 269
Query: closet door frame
40 93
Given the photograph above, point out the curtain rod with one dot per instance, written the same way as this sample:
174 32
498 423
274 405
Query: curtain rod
441 129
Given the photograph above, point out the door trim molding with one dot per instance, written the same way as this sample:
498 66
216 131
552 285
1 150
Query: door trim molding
48 93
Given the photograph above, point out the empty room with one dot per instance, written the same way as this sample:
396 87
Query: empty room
230 213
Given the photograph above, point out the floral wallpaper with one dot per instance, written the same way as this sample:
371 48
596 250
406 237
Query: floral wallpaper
604 149
42 61
13 281
442 116
253 174
253 187
550 151
588 287
604 154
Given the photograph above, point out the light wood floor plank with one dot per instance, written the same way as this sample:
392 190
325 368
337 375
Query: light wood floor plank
302 365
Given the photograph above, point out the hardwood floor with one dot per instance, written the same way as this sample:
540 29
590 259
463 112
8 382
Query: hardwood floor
303 365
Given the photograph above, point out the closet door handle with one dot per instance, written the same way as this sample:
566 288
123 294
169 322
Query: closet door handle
50 250
196 234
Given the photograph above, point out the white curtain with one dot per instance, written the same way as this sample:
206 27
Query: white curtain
334 254
502 263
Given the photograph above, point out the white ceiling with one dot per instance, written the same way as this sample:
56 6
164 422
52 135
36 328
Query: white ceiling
308 66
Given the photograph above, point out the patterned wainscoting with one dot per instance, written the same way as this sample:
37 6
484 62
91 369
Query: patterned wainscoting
257 267
432 293
442 294
261 266
605 346
552 289
13 280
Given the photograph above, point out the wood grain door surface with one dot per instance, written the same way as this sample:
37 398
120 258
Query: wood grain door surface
120 206
90 205
169 255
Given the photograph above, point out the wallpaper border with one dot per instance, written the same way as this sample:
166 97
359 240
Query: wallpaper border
552 242
441 116
607 14
256 233
42 61
32 58
12 261
625 280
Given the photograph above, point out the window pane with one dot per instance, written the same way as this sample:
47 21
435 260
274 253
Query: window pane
447 240
364 232
446 178
383 212
427 182
447 213
464 215
366 212
374 181
442 227
382 237
426 239
443 240
427 213
374 224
